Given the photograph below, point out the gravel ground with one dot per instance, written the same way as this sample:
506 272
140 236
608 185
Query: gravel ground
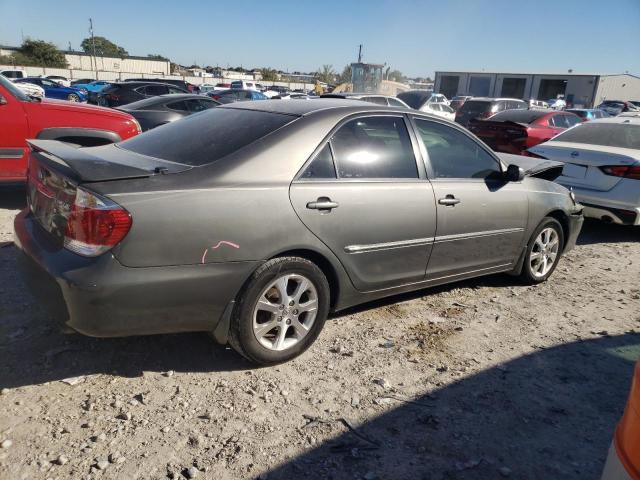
480 379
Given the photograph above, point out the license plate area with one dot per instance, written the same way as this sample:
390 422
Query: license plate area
574 171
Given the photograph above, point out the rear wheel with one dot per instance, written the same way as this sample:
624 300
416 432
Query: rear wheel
72 97
543 251
281 311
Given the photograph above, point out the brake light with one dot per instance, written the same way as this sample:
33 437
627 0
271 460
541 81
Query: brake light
95 224
622 171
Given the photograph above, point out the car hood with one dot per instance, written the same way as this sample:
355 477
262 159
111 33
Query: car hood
534 167
65 106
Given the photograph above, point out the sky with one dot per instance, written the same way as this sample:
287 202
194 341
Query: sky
415 37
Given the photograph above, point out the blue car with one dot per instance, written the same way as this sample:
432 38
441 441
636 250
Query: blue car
95 86
587 114
55 90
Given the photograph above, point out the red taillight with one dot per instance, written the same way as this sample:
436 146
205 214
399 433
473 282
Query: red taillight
95 224
624 171
111 96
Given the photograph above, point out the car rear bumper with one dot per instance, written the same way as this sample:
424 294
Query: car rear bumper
100 297
614 205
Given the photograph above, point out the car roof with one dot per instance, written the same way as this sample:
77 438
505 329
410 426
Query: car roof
160 99
491 99
306 108
618 119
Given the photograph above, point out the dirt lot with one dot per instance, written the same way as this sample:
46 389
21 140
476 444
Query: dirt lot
481 379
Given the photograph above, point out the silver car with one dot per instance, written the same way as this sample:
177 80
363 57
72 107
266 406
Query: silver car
254 221
602 165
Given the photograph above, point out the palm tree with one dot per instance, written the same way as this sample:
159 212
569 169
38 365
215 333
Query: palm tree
326 74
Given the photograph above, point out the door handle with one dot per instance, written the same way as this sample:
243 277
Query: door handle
323 204
449 200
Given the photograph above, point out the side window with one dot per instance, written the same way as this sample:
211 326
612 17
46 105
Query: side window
571 120
153 90
395 103
376 100
452 154
558 121
198 105
175 90
181 106
321 166
374 147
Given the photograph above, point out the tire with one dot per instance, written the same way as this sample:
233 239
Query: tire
256 330
72 97
535 268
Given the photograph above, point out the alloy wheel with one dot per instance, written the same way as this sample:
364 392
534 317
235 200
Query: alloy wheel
544 252
285 312
73 97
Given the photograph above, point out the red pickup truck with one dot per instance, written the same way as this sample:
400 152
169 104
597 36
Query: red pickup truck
23 117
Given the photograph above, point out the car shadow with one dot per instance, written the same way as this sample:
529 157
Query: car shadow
12 197
597 231
549 414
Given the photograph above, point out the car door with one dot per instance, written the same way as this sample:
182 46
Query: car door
364 195
53 89
481 217
15 129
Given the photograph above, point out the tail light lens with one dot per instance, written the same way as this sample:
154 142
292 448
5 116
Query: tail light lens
95 224
623 171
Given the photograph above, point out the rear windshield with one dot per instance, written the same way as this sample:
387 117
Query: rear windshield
208 136
475 107
414 99
606 134
518 116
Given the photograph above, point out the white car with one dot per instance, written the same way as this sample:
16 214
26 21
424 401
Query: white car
601 165
538 104
243 85
557 103
439 109
31 89
64 81
13 73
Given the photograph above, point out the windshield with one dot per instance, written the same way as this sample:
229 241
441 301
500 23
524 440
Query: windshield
620 135
208 136
13 90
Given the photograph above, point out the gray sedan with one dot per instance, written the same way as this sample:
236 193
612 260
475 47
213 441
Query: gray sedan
255 220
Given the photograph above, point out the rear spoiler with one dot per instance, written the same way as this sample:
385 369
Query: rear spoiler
99 164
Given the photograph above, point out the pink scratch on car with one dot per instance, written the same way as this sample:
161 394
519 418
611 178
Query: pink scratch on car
218 245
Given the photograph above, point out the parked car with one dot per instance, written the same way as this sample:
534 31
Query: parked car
456 102
623 461
155 111
369 97
31 89
483 107
538 104
514 131
94 86
82 80
60 79
23 117
587 114
243 85
557 103
277 89
440 109
121 93
236 95
635 103
13 73
253 221
55 90
616 107
416 99
187 87
602 166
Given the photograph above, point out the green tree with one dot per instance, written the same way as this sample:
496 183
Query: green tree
326 74
155 56
37 53
396 76
269 74
345 76
103 47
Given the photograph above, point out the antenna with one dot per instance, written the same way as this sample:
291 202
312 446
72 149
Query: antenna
93 46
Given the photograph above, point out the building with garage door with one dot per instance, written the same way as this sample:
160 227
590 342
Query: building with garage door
578 89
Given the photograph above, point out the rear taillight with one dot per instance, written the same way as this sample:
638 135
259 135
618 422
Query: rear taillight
111 96
624 171
95 224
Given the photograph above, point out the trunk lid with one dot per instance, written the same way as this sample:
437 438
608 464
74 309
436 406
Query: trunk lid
582 163
57 169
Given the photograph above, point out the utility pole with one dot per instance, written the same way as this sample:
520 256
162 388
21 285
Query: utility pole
360 54
93 45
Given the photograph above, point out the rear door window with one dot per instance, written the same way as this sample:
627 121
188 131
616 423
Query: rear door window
321 167
374 147
153 90
452 154
181 106
202 139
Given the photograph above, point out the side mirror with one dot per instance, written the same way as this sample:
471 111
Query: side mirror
3 101
514 173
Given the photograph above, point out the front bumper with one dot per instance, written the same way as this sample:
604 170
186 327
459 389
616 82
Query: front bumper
576 220
100 297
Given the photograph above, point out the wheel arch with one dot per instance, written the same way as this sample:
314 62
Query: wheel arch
79 135
563 219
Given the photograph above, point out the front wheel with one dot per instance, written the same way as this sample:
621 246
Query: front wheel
543 251
280 311
72 97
